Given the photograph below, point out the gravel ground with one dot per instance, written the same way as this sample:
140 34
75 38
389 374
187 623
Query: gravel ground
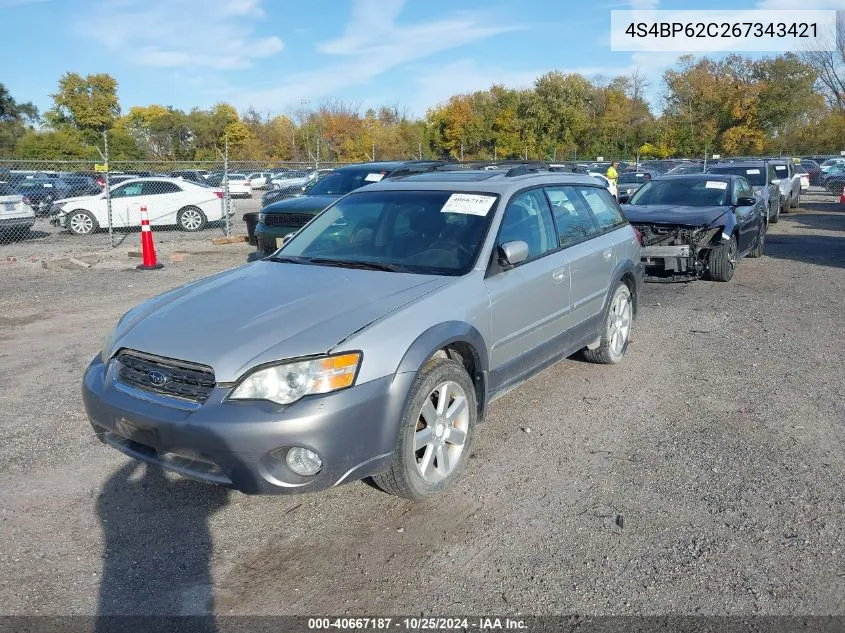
701 476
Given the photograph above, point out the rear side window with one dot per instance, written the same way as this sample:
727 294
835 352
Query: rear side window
604 208
6 190
572 214
154 187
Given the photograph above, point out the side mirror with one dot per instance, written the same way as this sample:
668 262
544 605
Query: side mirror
623 198
513 253
746 201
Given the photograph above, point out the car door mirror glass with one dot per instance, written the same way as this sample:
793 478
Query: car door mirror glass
513 253
746 201
623 198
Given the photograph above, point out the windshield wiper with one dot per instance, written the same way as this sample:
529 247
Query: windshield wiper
287 259
343 263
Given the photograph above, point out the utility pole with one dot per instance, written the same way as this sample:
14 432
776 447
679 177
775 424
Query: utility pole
462 151
374 150
495 152
105 156
228 198
419 150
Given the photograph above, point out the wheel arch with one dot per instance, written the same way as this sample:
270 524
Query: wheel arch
456 340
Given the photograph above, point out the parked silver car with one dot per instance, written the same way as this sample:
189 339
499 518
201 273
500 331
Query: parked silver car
371 344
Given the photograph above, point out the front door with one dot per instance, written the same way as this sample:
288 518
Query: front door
529 302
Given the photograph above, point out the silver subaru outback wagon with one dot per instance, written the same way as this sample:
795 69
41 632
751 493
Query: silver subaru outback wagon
371 344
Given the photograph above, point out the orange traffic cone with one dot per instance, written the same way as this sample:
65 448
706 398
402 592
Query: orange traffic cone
147 248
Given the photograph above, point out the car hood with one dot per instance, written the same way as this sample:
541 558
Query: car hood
77 199
299 204
265 311
669 214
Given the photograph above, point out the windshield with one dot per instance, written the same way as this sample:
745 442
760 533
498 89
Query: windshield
423 232
686 169
290 175
781 170
683 192
339 183
832 161
631 178
755 175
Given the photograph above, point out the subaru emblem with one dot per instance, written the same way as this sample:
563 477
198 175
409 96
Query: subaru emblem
157 378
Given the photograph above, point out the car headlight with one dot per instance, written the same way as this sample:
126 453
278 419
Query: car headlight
262 217
288 382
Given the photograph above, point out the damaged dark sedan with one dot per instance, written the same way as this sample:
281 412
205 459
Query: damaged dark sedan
697 225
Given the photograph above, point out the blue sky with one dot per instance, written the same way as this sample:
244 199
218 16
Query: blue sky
278 55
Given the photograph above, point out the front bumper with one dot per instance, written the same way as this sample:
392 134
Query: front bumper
266 236
230 443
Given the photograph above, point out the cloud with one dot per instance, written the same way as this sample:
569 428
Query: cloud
374 43
177 33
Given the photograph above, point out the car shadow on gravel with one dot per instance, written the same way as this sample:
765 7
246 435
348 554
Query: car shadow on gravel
822 250
157 547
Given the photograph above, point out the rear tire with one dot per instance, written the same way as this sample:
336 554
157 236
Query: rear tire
796 201
435 433
722 260
191 219
616 329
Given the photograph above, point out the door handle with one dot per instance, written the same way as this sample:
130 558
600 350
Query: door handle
607 254
559 275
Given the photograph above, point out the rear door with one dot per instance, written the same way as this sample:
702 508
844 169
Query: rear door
586 218
163 201
529 302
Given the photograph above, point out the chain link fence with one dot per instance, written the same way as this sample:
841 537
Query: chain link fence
101 203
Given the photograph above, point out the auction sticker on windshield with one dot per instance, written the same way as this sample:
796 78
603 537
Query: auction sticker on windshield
468 204
373 177
715 184
752 171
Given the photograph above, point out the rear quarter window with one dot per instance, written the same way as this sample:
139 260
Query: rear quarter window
604 208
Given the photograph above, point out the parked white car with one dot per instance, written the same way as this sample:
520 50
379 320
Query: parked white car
16 216
293 179
606 182
804 176
169 202
239 186
259 179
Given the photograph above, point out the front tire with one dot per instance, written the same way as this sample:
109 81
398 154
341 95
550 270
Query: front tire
191 219
796 202
435 433
616 330
761 241
722 260
774 219
81 222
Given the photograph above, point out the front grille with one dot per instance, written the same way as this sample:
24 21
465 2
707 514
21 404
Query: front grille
165 376
287 219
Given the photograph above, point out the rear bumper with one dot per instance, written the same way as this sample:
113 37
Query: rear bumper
241 445
16 223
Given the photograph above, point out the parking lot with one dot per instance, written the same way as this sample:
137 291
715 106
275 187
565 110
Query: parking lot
703 475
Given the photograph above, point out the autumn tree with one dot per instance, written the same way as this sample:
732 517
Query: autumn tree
15 120
87 104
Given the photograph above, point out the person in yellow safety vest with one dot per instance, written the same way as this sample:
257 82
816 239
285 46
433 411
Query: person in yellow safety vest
611 174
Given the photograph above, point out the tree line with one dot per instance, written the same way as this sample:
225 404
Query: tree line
788 103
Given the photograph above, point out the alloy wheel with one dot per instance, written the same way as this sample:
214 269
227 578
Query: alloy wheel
191 219
81 223
441 431
620 322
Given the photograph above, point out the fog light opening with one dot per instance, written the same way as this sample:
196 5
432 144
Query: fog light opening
303 461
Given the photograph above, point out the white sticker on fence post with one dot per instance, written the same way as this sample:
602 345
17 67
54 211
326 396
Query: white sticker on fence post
715 184
469 204
373 177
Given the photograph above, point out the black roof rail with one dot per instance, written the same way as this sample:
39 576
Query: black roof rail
522 170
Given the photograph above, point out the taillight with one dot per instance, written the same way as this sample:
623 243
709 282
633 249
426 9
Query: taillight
639 236
219 194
